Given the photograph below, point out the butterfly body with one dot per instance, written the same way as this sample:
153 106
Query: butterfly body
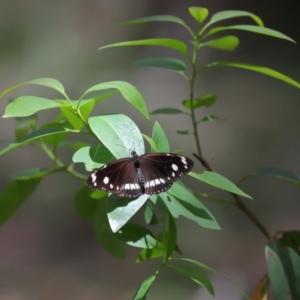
151 173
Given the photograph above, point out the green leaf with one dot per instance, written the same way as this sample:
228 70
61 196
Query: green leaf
147 254
93 157
228 43
116 130
149 215
258 69
35 135
14 195
290 239
252 28
207 268
48 82
219 181
205 100
229 14
169 63
152 144
121 210
163 42
210 118
104 234
183 132
198 13
84 204
24 125
159 18
196 276
167 111
171 237
72 117
160 139
136 236
143 290
284 271
184 203
128 91
28 105
279 174
31 173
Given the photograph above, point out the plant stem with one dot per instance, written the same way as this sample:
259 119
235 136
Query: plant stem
240 204
192 87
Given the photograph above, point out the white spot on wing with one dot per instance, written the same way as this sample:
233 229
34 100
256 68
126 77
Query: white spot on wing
173 174
132 186
111 186
106 180
127 186
161 180
94 177
174 167
157 181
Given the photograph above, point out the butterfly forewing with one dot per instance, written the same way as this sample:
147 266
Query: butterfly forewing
123 177
118 177
162 169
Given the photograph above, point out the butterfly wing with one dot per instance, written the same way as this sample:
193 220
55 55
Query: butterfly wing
161 170
118 177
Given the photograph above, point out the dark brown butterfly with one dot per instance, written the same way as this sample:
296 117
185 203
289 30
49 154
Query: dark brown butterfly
151 173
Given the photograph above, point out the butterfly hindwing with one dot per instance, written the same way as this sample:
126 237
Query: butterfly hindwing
151 173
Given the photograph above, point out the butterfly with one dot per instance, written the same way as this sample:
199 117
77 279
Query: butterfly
151 173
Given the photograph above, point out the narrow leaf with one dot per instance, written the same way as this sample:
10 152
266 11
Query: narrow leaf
28 105
252 28
219 181
149 215
31 173
196 276
14 195
258 69
48 82
167 111
210 118
159 18
205 267
183 132
128 91
228 43
205 100
169 63
152 144
35 135
116 130
160 139
279 174
229 14
143 290
170 242
163 42
290 239
184 203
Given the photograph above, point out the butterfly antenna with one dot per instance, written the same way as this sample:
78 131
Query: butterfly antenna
213 153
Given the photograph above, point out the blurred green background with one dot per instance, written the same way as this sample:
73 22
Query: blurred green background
46 251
